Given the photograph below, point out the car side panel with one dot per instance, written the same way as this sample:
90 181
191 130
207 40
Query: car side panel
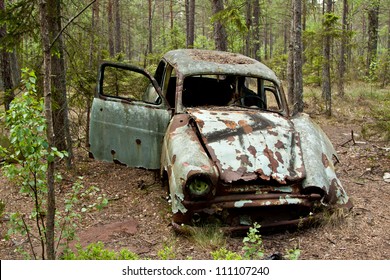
127 133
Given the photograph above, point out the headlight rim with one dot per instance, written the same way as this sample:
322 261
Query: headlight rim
193 193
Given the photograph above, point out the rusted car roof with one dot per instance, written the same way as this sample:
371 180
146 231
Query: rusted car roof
197 62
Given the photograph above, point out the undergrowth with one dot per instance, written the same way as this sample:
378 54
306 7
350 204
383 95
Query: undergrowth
363 104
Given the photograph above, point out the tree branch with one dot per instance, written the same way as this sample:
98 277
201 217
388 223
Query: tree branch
69 22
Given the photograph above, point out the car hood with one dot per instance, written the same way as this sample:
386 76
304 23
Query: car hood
250 144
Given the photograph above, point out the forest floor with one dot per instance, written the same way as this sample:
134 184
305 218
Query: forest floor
138 215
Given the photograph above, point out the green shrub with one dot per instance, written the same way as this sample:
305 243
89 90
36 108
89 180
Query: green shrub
225 254
97 251
253 244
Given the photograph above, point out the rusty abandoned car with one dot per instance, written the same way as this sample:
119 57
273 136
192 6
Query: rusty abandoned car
218 128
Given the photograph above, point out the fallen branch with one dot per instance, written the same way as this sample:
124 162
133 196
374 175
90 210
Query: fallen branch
352 139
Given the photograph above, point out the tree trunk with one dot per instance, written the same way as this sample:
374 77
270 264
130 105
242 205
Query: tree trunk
220 35
191 23
6 69
118 36
111 47
62 139
256 30
248 26
150 26
171 13
326 86
373 25
344 40
50 215
295 80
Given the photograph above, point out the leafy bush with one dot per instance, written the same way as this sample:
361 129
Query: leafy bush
97 251
166 253
225 254
253 244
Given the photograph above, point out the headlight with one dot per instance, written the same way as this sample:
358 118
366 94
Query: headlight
199 185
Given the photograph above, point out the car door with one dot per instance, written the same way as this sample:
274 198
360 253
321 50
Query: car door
129 117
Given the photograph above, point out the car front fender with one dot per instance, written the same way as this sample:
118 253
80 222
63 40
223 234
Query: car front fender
318 153
183 155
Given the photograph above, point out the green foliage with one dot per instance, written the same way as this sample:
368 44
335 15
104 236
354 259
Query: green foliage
97 251
26 166
380 126
231 15
253 244
166 253
225 254
66 220
27 160
292 254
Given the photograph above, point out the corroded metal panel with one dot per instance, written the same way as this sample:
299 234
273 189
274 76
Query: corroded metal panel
251 144
127 133
183 156
318 154
196 62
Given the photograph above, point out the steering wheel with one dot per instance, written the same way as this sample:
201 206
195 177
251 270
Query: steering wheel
242 98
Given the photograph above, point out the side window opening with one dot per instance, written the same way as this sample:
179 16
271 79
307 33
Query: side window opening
129 85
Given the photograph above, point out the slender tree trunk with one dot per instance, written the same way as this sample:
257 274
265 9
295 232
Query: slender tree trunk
6 69
220 35
191 24
248 26
344 40
386 79
50 216
256 30
295 90
171 13
373 26
62 139
150 25
111 47
326 83
118 36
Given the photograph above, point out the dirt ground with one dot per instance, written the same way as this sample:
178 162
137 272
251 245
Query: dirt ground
138 214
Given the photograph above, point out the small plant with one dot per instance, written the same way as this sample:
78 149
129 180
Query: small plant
292 254
97 251
166 253
253 244
225 254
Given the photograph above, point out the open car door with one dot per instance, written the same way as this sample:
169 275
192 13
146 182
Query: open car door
129 117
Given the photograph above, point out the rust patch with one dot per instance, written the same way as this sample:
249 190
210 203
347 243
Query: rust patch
179 121
279 145
273 133
247 128
325 160
230 124
173 159
227 58
273 163
230 139
279 157
200 123
205 167
252 150
244 160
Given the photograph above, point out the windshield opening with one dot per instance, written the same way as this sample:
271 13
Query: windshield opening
231 90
